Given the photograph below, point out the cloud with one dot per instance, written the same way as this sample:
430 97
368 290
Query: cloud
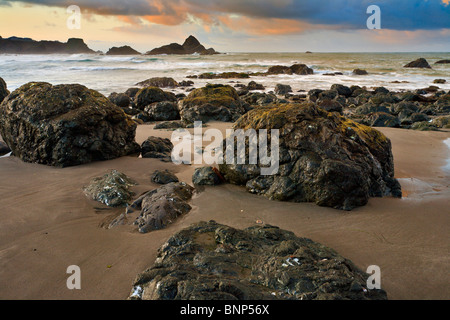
275 16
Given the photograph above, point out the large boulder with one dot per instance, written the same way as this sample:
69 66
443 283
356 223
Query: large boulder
210 261
162 111
3 90
65 125
157 147
215 102
419 63
323 158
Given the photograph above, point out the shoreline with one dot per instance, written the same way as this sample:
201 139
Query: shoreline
49 213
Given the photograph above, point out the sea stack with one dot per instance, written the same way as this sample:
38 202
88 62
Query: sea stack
190 46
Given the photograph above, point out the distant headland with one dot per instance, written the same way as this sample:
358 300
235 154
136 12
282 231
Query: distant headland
17 45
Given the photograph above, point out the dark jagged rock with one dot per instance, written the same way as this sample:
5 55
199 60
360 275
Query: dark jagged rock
324 158
185 83
382 119
330 105
156 147
282 89
360 72
158 208
161 82
224 75
300 69
162 111
125 50
342 90
163 177
120 99
440 81
146 96
65 125
419 63
3 90
210 261
4 149
206 176
445 61
190 46
16 45
211 103
113 189
252 85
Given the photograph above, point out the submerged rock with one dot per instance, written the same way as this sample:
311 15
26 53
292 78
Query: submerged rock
158 208
324 158
360 72
210 261
113 189
65 125
211 103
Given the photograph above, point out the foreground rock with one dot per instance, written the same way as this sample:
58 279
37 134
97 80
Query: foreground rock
324 158
156 147
419 63
211 103
65 125
158 208
206 176
125 50
209 261
190 46
163 177
113 189
3 90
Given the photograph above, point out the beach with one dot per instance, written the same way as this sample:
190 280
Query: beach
48 223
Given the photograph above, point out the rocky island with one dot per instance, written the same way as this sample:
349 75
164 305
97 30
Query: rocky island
16 45
190 46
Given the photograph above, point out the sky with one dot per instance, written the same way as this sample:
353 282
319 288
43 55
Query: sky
237 25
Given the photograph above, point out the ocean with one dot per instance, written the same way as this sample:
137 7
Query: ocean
108 74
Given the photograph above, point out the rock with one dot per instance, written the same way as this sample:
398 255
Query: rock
169 125
440 81
210 261
282 89
65 125
163 177
156 147
442 122
162 111
252 85
330 105
211 103
224 75
15 45
149 95
381 90
120 99
206 176
360 72
125 50
301 69
280 70
424 126
3 90
4 149
342 90
185 83
324 158
190 46
419 63
158 208
443 61
382 119
159 82
113 189
131 92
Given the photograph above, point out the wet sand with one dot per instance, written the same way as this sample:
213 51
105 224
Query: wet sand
48 224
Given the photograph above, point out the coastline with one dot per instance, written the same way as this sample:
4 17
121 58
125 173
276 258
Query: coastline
48 212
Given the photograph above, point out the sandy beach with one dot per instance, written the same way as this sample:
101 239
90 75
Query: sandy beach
48 224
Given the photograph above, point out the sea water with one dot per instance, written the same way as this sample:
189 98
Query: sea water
109 74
